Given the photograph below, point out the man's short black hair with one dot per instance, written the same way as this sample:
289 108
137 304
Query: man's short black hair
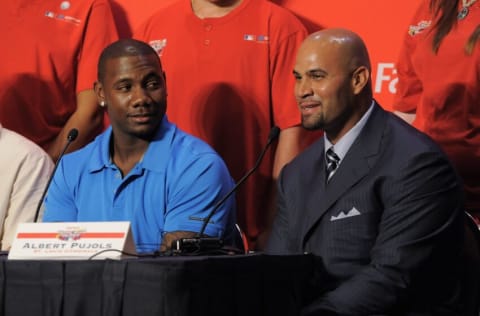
122 48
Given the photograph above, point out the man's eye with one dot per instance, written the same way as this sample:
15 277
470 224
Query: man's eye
153 84
317 76
124 87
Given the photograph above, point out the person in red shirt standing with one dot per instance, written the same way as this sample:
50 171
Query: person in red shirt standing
48 67
229 73
439 84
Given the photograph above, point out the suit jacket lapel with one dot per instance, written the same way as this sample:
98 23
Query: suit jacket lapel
316 197
357 163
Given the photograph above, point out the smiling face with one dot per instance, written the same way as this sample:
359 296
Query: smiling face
134 90
328 80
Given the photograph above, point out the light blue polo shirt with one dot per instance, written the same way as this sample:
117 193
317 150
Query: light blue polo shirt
173 188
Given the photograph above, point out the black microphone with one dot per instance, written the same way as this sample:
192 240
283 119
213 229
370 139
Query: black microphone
200 242
72 135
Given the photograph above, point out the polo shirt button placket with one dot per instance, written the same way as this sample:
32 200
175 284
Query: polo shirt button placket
207 28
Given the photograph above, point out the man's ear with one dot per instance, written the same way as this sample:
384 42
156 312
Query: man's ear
165 80
360 78
98 87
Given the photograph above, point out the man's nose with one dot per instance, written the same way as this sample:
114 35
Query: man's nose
303 88
140 97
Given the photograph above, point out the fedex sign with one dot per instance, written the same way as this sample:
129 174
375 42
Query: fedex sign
386 78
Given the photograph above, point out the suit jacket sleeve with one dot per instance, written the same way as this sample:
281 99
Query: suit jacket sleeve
420 225
277 242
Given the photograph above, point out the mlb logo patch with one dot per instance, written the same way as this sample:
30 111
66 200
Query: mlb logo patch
249 37
262 38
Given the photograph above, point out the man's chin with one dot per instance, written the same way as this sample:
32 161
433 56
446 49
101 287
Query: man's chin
146 132
311 125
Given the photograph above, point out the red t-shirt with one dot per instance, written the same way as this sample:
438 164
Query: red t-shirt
229 81
444 91
49 53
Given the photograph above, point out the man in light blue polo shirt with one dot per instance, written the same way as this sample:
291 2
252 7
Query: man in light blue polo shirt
142 169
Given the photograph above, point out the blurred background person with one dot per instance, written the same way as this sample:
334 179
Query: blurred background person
48 67
439 84
231 62
25 169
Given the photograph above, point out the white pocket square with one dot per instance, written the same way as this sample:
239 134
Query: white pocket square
342 215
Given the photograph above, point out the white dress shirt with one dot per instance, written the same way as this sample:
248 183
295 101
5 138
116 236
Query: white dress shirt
24 172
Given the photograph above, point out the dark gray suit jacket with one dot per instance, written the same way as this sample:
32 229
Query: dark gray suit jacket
387 227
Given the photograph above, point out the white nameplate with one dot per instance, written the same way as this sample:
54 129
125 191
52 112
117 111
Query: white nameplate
72 240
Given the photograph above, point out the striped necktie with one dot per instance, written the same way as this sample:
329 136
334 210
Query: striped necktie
332 162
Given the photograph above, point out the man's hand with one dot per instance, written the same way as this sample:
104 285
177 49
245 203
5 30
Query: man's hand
168 238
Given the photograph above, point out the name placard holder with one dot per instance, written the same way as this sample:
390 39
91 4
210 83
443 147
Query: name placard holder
72 240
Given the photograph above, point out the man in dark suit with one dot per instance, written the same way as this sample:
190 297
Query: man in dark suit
382 209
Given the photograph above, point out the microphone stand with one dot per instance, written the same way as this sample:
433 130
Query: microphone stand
72 135
201 243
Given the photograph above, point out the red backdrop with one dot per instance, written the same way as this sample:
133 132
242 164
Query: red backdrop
380 23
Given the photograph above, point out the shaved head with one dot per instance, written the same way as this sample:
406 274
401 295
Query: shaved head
346 43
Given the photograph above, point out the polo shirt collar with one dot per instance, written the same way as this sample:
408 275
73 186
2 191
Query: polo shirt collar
151 160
